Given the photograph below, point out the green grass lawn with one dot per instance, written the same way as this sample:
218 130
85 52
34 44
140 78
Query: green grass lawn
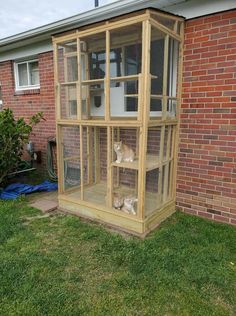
64 266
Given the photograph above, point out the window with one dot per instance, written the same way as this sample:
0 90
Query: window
27 75
98 65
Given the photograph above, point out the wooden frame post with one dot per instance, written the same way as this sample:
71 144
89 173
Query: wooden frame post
60 162
165 77
109 168
160 173
172 158
97 154
81 163
90 160
107 78
167 163
179 95
145 97
78 85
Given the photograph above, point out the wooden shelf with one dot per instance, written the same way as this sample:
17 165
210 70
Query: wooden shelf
69 83
125 78
95 90
154 77
131 95
152 162
93 81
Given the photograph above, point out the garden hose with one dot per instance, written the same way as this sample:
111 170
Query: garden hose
50 163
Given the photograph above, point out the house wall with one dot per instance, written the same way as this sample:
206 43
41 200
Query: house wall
206 183
29 102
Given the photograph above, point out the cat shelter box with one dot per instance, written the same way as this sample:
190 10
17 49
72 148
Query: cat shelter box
118 85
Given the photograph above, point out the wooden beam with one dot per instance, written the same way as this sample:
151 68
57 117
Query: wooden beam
113 25
118 170
67 101
165 78
179 94
98 122
90 160
94 29
172 183
81 163
97 154
165 15
88 92
161 158
107 79
166 172
60 162
165 30
140 83
109 170
56 82
78 86
145 101
176 27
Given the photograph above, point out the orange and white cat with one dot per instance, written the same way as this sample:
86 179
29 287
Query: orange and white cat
123 152
129 203
118 201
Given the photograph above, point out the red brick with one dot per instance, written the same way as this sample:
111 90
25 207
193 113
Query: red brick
210 120
33 101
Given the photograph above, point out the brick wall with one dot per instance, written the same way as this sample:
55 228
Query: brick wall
206 184
27 103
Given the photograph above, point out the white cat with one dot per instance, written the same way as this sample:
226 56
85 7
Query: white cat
129 203
123 152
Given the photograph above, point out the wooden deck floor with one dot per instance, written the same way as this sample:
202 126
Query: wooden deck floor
96 194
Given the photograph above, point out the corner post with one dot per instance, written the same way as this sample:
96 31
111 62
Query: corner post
145 102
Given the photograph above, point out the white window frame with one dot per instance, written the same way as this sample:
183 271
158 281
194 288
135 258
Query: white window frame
16 73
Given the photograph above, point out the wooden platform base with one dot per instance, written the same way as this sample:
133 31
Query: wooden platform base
93 208
96 194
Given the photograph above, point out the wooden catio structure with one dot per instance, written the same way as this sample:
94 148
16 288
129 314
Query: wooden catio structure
119 80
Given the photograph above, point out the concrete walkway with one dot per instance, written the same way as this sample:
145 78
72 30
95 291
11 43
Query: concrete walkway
45 201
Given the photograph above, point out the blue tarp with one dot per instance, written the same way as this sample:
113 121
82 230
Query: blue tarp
12 191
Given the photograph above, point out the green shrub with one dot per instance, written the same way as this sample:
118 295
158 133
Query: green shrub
14 134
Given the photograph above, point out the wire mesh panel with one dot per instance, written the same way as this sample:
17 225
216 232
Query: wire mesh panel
125 190
68 101
152 192
153 144
157 57
71 157
94 162
93 72
67 65
125 67
164 20
172 77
